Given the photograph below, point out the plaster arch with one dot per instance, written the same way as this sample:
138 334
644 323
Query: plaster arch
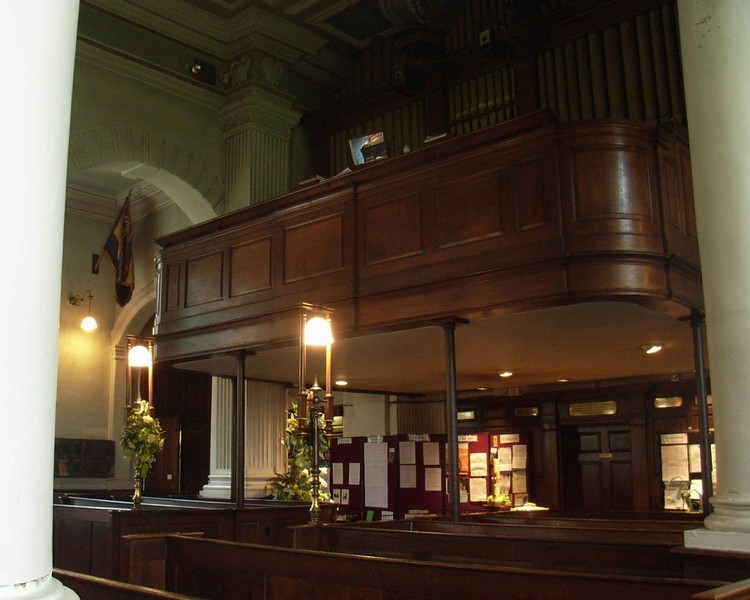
141 155
144 156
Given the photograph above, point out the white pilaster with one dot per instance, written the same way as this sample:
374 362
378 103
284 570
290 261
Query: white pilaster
265 421
33 157
220 467
258 131
265 455
715 54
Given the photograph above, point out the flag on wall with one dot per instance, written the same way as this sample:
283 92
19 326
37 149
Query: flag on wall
119 249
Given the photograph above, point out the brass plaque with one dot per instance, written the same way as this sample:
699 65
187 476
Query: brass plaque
670 402
591 409
526 411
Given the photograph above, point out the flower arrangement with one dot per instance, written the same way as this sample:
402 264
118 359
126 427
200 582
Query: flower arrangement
142 437
500 500
296 482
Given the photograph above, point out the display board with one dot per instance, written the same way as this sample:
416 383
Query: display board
509 455
380 478
473 470
681 471
346 484
421 475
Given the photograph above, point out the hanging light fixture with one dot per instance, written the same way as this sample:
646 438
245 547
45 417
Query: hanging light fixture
89 322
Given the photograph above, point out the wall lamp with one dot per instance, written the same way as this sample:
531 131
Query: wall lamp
315 330
89 322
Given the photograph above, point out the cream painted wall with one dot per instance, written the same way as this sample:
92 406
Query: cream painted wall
91 373
364 414
108 98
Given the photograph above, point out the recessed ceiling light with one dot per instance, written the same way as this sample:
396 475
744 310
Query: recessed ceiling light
652 348
563 380
341 382
505 373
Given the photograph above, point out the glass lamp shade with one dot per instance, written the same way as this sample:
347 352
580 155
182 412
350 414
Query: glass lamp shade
89 324
139 356
318 332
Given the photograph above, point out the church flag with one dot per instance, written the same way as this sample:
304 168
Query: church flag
119 250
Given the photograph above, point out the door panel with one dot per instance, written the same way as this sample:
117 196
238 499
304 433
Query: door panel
598 472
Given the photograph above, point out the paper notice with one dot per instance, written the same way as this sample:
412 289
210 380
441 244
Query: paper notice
478 461
477 489
432 479
407 476
337 477
407 453
431 453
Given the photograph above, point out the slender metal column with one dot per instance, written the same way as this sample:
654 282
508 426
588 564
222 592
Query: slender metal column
451 426
238 435
696 322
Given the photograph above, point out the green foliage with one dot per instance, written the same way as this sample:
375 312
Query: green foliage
142 437
498 500
296 482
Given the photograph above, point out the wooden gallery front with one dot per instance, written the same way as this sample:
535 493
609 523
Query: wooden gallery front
515 218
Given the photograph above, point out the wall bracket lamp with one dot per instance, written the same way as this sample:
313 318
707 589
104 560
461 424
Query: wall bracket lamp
89 322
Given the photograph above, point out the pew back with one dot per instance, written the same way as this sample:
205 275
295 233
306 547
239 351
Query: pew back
229 571
574 550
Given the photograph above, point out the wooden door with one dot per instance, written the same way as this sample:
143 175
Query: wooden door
597 468
164 478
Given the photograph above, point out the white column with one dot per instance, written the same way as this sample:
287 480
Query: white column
220 468
715 54
38 40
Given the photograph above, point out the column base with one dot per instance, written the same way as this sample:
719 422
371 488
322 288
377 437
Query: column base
731 513
45 588
727 541
219 487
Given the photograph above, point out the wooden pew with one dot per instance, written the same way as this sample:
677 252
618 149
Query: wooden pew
657 522
739 590
89 587
230 570
88 532
594 550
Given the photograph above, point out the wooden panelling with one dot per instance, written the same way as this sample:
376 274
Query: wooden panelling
393 229
173 294
468 210
532 196
204 279
589 276
313 249
522 215
620 189
611 180
250 269
676 189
